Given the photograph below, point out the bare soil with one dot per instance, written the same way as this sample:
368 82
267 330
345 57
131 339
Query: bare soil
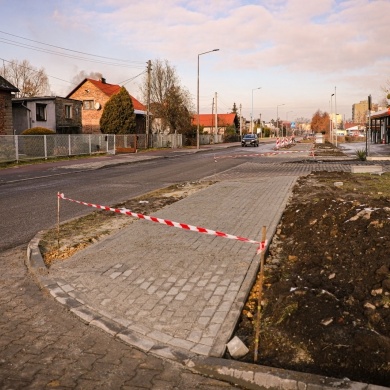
325 307
326 292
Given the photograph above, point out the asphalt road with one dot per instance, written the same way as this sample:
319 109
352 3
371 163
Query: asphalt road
28 195
42 344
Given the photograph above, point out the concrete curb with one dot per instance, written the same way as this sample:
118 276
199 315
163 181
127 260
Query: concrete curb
249 376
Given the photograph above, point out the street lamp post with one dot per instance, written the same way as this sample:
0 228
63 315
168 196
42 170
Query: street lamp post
197 95
277 116
254 89
335 112
331 119
287 119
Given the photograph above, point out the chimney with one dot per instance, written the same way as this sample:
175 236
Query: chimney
103 80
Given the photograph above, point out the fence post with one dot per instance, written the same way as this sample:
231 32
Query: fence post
45 145
16 147
69 145
90 146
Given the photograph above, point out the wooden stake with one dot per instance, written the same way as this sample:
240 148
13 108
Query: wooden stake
58 222
260 294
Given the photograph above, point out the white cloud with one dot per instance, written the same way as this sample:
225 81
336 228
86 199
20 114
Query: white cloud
289 46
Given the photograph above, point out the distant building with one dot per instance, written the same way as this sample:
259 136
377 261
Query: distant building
380 126
360 110
94 94
52 112
207 121
337 117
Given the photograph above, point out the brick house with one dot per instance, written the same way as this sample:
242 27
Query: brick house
207 121
6 92
52 112
94 95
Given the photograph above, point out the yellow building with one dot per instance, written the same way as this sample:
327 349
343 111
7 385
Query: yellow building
360 110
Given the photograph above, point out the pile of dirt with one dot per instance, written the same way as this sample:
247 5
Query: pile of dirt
326 293
327 149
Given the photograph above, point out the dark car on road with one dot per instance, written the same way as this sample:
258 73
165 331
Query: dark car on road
250 139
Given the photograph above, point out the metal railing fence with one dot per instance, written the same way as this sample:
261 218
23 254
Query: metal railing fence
32 147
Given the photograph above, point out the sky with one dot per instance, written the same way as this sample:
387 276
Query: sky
275 57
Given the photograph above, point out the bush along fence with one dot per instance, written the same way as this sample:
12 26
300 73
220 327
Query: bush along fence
32 147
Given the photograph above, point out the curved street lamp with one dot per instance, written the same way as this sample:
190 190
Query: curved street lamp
331 118
197 94
254 89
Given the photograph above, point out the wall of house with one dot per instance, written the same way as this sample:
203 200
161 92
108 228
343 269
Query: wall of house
6 125
50 122
91 117
21 118
66 125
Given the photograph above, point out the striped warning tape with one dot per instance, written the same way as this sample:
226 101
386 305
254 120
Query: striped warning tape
275 153
262 245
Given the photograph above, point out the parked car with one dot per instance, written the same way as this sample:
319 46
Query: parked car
250 139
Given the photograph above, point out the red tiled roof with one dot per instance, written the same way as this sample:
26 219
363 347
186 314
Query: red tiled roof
109 90
208 120
112 89
348 125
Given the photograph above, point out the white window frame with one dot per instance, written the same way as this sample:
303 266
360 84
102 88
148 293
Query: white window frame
88 105
68 111
40 108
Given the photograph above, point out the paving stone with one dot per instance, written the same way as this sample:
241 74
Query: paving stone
124 289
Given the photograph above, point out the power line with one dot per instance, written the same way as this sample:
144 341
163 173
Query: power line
131 79
42 50
66 81
36 71
62 48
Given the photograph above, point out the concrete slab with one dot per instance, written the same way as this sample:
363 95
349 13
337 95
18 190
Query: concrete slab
377 169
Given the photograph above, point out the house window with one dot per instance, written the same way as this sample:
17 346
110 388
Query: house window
88 105
41 112
68 111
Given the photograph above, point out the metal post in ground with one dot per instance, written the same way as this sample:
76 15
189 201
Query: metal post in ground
260 293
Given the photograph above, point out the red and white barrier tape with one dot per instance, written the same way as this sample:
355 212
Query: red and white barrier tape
262 245
266 154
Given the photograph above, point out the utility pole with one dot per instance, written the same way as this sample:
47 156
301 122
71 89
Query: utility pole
261 128
368 131
212 118
335 109
240 122
216 115
148 138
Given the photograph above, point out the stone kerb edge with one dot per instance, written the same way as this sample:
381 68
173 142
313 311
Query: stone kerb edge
37 267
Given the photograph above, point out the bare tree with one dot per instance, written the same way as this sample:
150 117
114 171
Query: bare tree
386 89
29 80
170 101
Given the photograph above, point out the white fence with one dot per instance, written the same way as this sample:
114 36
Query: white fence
30 147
